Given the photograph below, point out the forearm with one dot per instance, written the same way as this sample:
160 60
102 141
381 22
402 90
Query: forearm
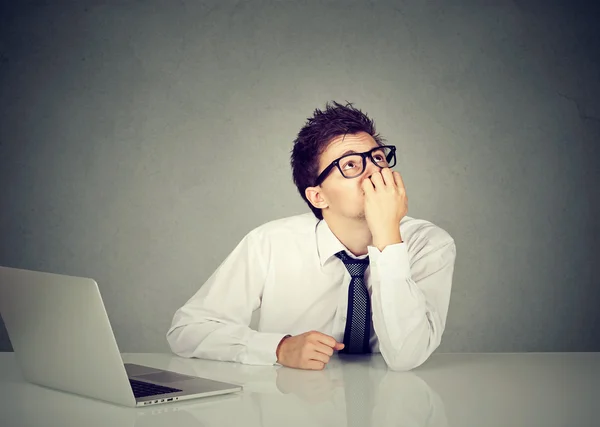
407 341
214 323
410 304
210 339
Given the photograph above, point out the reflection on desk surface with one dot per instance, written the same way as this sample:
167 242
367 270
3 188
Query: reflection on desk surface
451 389
351 391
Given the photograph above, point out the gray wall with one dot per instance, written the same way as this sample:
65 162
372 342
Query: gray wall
139 142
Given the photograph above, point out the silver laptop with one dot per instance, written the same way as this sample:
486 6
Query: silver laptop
62 339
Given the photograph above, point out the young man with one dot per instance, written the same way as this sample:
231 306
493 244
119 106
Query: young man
357 275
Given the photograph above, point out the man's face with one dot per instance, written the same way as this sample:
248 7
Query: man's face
344 196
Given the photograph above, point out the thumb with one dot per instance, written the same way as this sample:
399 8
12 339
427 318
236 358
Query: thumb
338 346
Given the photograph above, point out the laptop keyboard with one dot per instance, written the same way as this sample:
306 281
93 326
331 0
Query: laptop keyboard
144 389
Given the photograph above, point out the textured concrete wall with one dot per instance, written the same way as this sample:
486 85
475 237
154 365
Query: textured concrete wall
139 142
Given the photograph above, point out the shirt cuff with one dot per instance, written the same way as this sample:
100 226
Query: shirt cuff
262 348
393 260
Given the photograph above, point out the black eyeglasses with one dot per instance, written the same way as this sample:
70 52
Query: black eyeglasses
352 165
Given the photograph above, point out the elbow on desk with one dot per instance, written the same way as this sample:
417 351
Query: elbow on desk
402 365
402 362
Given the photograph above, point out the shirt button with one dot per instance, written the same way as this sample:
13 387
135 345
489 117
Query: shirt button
343 318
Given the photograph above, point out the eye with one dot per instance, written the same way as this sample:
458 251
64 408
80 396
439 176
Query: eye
350 164
379 158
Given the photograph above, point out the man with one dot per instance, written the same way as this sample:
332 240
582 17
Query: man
357 275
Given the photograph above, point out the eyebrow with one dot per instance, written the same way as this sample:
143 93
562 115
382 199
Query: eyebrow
355 152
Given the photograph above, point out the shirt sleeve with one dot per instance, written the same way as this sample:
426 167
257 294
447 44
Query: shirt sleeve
410 299
214 323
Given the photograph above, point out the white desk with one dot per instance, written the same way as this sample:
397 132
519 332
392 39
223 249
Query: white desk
532 389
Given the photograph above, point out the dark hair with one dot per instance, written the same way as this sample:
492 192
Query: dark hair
315 136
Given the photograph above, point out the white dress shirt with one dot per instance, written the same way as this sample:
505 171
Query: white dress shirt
289 270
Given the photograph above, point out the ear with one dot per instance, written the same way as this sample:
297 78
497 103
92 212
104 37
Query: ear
315 197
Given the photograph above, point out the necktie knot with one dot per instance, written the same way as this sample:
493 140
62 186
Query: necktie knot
356 267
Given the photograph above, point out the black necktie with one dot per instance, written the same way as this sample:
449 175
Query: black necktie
358 320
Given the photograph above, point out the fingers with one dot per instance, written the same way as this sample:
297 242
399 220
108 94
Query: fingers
388 177
377 180
385 178
325 339
314 351
367 186
315 365
399 181
325 349
316 355
326 344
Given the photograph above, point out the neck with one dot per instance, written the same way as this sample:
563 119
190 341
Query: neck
353 233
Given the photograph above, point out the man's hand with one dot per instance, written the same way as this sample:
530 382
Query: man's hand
386 203
310 350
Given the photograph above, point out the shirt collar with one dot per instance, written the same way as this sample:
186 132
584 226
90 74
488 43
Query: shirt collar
327 244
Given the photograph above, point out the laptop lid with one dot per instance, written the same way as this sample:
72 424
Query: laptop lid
61 334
